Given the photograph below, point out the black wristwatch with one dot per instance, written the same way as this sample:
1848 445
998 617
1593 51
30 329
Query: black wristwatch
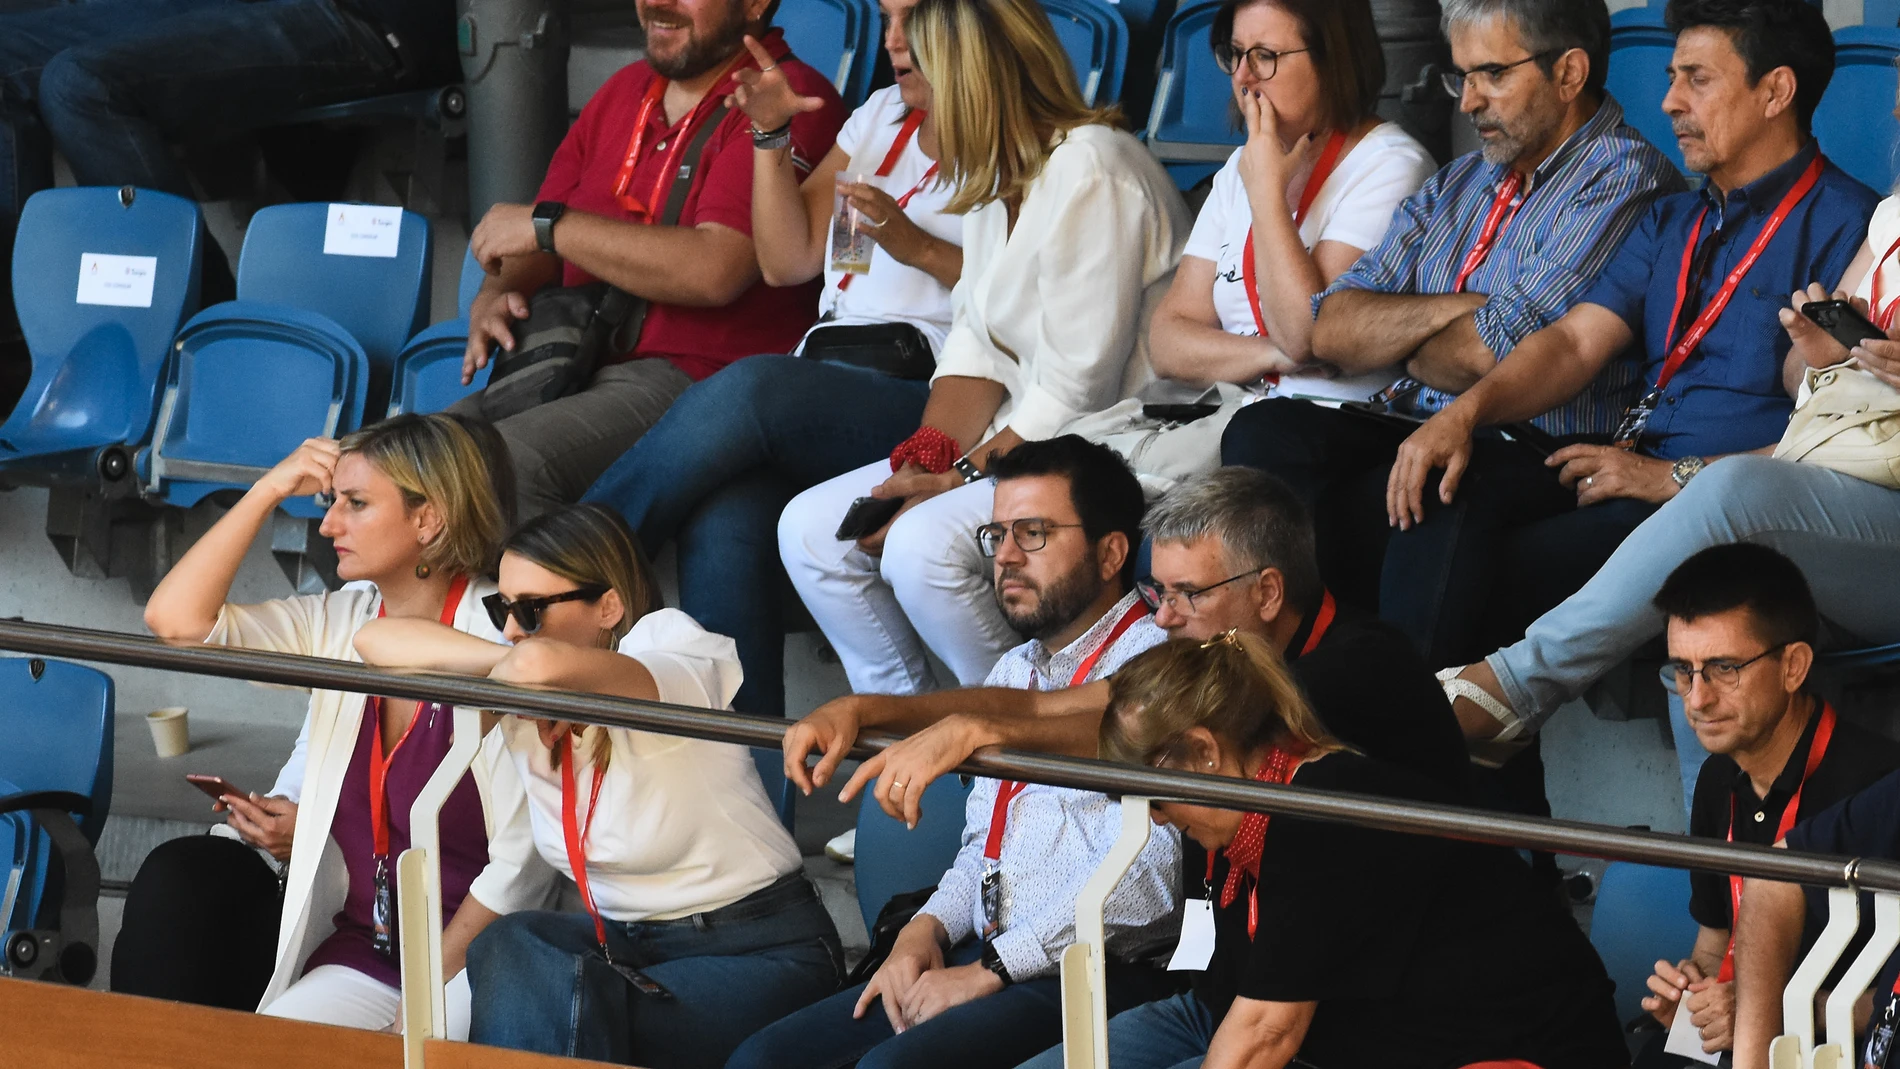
994 963
546 214
967 468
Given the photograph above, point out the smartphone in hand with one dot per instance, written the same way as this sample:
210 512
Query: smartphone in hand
1842 320
215 786
866 516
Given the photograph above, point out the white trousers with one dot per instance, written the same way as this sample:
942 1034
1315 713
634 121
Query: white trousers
339 995
931 588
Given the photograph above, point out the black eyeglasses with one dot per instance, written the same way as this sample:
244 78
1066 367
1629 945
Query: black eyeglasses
1263 62
1719 674
527 611
1487 77
1031 534
1154 595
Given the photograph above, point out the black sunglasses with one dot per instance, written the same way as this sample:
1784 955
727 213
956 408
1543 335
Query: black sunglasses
527 611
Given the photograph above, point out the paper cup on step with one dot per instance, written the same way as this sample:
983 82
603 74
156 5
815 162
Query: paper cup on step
170 735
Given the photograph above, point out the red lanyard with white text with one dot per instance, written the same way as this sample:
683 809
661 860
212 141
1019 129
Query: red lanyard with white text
1006 791
576 834
1636 420
1496 222
655 94
911 122
1322 170
382 908
1817 750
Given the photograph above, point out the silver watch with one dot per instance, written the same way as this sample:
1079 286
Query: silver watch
1685 469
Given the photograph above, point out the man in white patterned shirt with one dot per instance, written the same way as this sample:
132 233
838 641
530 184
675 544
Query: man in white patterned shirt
980 958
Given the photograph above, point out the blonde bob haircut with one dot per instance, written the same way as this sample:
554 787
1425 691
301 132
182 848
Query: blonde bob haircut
434 460
1003 91
1235 685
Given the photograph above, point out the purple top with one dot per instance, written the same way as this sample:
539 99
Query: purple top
464 838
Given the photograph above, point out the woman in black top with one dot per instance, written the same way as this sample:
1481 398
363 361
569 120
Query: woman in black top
1342 945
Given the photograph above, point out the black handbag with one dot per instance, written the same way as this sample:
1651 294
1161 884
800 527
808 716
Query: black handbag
899 911
569 329
899 350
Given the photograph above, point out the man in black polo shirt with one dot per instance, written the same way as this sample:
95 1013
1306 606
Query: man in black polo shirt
1741 631
1232 549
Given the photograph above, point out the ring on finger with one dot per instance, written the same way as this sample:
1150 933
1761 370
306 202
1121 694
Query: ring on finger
897 785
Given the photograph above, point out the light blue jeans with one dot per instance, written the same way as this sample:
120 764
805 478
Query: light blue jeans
1843 533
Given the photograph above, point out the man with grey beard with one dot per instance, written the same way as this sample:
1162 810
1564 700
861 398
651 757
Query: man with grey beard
599 217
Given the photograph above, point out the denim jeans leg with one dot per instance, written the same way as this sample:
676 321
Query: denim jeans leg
731 581
536 984
1173 1033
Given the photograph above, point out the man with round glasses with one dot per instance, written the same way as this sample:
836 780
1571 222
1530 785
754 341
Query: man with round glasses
1741 632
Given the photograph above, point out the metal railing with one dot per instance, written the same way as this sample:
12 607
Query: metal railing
418 868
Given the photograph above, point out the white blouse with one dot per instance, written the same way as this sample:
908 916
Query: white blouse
1057 309
1882 231
684 826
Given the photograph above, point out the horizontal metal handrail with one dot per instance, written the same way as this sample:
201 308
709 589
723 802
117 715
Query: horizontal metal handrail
1473 825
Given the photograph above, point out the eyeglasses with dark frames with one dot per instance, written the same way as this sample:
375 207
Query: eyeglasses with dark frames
1264 63
1031 534
1154 595
1486 78
527 611
1720 674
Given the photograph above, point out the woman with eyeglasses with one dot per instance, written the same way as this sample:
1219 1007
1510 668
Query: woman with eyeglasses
1313 187
699 926
417 520
1331 943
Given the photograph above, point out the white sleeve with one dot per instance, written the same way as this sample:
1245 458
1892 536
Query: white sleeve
1882 229
516 877
967 350
286 625
1364 210
289 783
1212 226
689 664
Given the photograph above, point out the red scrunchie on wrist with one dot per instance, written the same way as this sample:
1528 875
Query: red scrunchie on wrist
929 449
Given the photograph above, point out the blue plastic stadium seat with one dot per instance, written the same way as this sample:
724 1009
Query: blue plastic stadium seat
837 38
893 860
784 797
1855 122
1191 120
429 368
96 367
1641 48
1096 38
1641 915
58 732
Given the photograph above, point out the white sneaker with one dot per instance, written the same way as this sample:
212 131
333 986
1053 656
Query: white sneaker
844 848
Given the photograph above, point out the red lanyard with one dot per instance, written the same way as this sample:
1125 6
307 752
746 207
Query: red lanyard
1719 303
1007 791
378 764
1321 621
576 834
1322 170
1883 317
1823 733
656 92
1243 854
1495 224
911 122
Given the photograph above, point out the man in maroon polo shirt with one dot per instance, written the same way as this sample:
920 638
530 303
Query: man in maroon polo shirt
598 218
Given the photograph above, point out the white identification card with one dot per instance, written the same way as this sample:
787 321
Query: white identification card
1685 1041
121 281
362 230
1196 948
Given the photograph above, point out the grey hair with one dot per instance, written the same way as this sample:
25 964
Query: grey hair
1260 522
1546 26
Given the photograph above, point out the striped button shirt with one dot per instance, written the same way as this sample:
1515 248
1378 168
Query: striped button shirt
1578 206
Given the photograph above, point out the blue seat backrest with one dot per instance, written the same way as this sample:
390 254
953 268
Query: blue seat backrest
892 860
379 301
1096 39
58 731
837 38
1641 48
1880 12
1854 121
778 790
1193 98
1641 915
97 367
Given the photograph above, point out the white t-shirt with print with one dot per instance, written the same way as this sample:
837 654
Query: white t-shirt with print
892 292
684 826
1353 208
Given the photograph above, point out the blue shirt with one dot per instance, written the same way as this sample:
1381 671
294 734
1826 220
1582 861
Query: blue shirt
1864 825
1578 206
1728 396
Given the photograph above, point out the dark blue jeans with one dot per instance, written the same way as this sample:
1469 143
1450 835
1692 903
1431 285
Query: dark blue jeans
715 472
538 983
1173 1033
994 1032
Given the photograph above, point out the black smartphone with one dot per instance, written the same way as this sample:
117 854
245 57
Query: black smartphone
1179 413
866 515
1529 434
1843 321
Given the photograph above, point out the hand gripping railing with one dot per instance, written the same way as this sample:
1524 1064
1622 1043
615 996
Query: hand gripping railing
423 1016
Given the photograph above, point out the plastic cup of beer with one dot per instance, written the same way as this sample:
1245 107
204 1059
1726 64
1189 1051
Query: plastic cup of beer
851 233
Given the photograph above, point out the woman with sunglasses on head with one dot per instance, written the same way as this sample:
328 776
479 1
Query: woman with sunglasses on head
700 927
416 518
1338 944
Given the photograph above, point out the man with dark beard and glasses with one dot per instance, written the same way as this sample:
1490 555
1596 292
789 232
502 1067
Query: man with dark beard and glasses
598 218
1498 244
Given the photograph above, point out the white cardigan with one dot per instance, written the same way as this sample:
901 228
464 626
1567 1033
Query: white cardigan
325 625
1057 310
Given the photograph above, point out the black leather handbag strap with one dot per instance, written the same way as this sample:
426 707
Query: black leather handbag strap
627 312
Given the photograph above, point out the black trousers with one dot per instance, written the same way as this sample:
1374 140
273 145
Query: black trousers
200 925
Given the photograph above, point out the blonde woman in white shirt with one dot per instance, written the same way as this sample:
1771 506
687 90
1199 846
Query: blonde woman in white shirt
416 516
1314 186
1071 232
700 927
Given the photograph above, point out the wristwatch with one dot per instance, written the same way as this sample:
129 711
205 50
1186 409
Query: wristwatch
546 214
965 467
772 140
1685 469
994 963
